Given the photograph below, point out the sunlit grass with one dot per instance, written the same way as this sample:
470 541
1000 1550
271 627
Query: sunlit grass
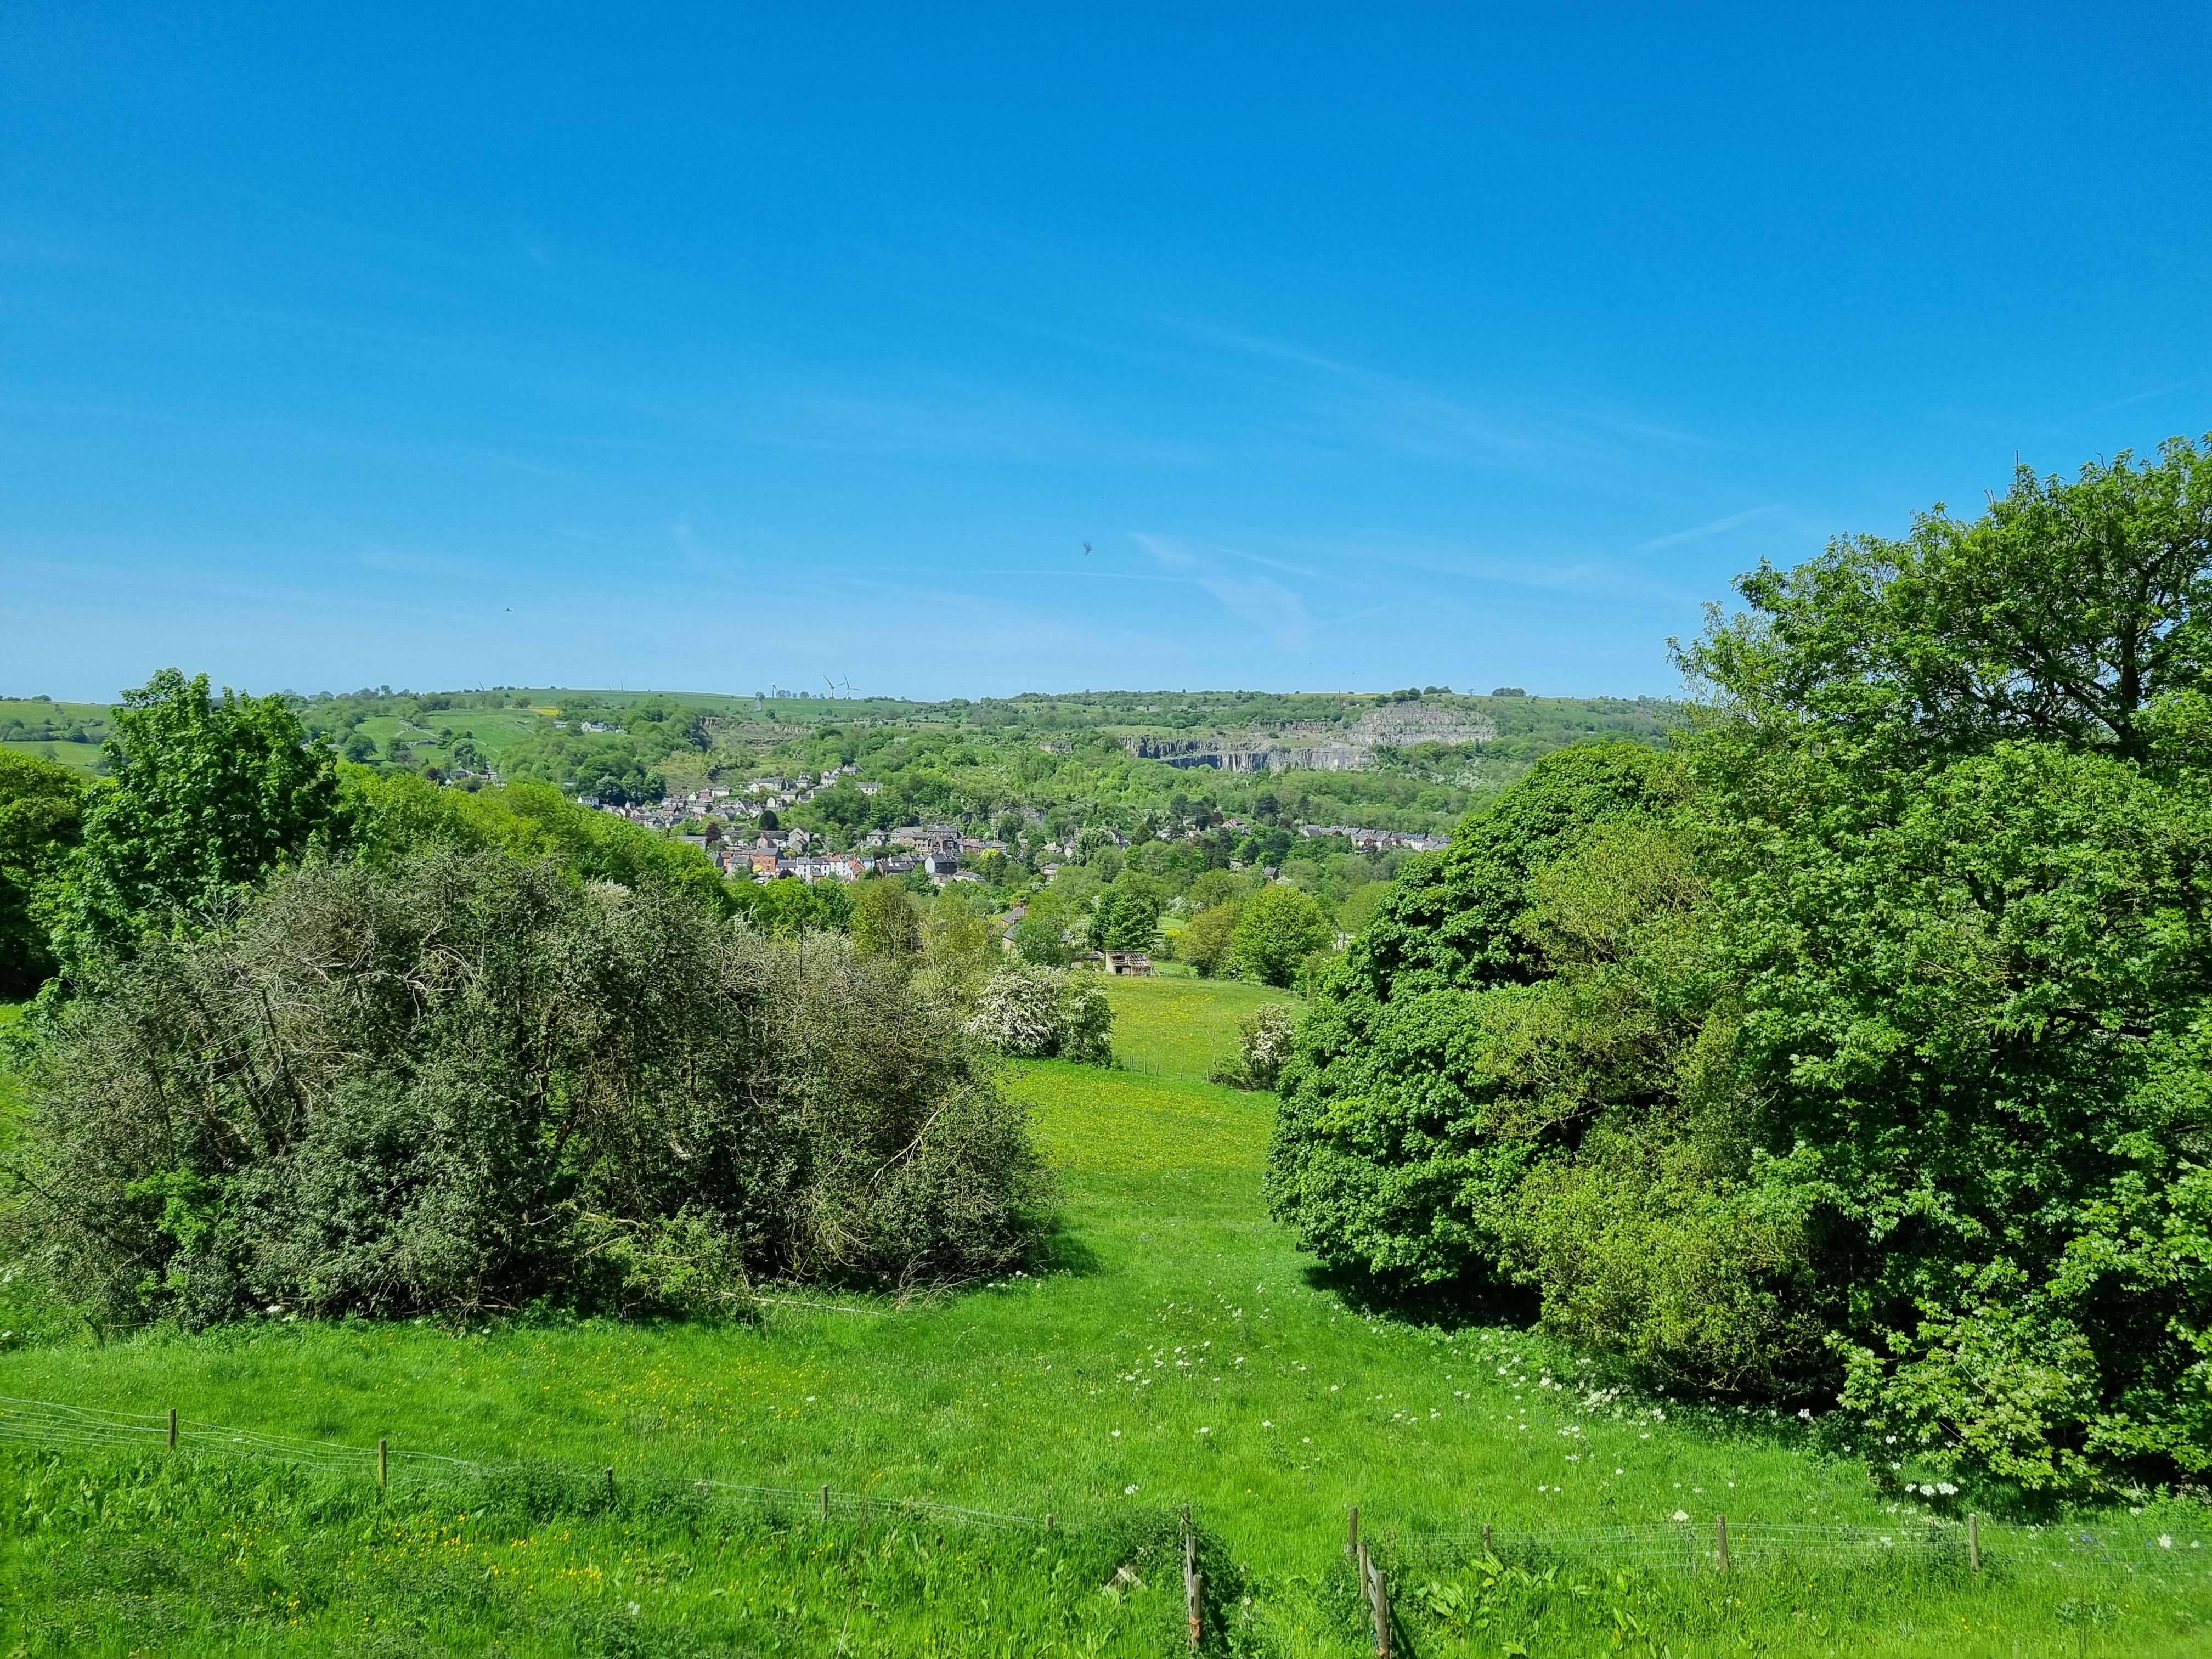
1180 1026
1178 1350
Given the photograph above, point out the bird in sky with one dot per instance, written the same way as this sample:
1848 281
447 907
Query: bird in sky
1086 549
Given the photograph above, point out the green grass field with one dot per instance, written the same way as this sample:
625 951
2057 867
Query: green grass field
493 730
1180 1026
1176 1349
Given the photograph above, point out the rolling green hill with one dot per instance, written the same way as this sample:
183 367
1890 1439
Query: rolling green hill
70 732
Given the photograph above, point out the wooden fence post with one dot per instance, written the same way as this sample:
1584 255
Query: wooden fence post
1485 1538
1974 1541
1720 1522
1191 1581
173 1428
1377 1594
1351 1532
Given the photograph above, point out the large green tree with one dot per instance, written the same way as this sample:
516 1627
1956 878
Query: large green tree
41 814
210 795
2062 612
1856 1053
1277 929
1126 918
1382 1157
884 923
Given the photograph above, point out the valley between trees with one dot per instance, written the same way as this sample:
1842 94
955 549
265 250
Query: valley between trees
1174 1342
1801 1117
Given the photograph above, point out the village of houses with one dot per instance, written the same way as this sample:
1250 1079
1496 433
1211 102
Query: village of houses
943 851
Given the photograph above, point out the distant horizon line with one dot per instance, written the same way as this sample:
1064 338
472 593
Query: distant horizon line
858 699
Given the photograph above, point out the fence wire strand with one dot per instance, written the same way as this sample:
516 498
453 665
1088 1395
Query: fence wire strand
1692 1545
1930 1541
46 1422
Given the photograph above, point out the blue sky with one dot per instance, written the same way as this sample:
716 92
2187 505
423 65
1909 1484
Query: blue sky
708 347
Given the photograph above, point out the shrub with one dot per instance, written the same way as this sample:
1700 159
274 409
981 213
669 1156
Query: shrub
461 1081
1018 1011
1037 1012
1264 1037
1086 1021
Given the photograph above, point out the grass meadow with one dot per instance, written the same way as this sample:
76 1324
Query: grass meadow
1180 1025
1175 1349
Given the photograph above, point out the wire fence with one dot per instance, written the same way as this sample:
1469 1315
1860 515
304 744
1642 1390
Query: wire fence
49 1423
1715 1544
2131 1545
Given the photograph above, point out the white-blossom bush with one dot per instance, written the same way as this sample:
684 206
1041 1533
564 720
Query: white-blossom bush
1018 1011
1037 1012
1264 1037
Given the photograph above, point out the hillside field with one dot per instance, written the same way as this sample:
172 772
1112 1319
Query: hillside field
1180 1025
1176 1349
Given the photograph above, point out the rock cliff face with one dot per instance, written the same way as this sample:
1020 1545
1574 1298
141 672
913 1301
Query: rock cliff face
1402 725
1399 727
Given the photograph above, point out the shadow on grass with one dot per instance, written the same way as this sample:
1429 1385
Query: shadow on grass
1064 1250
1453 1305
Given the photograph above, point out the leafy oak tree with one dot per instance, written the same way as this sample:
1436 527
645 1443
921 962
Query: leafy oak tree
1855 1053
209 796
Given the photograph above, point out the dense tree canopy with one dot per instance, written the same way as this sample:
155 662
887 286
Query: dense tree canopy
210 795
2060 613
347 1041
1856 1052
41 814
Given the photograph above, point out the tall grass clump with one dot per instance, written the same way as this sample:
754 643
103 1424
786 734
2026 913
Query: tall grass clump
127 1553
462 1081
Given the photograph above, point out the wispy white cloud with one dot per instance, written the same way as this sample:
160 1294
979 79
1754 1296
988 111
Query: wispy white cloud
1342 399
2138 398
1266 604
1713 527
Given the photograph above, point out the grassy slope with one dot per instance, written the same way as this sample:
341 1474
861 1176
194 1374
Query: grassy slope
497 730
80 757
1179 1026
1186 1351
